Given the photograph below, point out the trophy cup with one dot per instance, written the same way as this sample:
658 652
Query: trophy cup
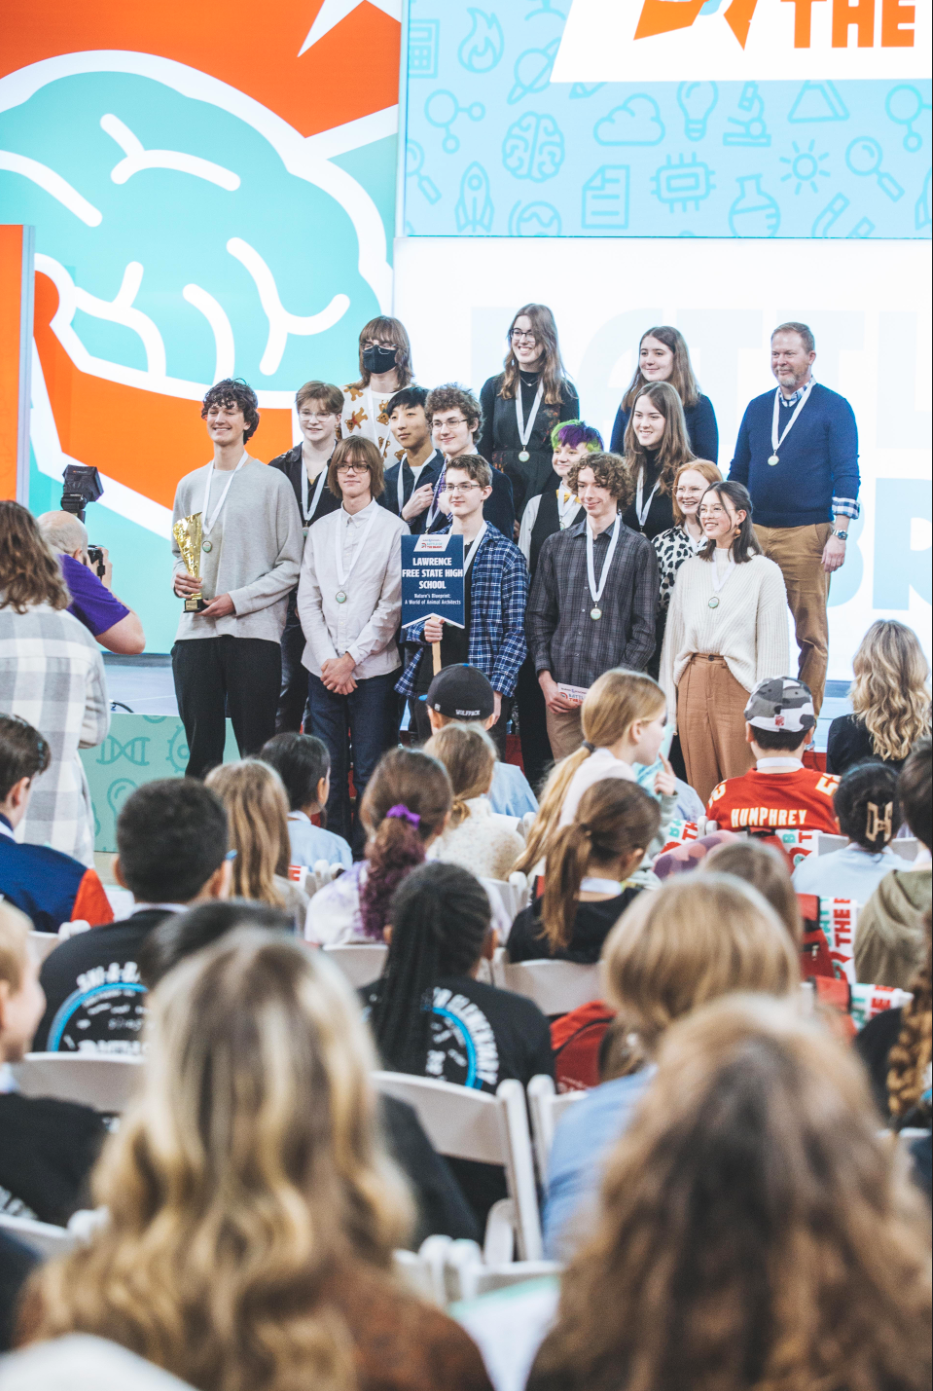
188 534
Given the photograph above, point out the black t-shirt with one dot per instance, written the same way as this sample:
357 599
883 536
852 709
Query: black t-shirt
848 743
660 516
591 927
47 1150
17 1263
94 996
292 465
442 1207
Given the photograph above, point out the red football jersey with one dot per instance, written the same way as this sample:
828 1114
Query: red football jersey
801 800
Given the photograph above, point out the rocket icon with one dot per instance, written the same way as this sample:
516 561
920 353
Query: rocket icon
474 208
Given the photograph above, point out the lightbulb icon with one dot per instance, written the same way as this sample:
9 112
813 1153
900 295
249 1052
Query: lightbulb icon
696 100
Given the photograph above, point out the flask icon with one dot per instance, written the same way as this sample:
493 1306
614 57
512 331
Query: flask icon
754 213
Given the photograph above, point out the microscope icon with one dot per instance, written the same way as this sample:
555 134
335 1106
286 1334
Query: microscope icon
751 127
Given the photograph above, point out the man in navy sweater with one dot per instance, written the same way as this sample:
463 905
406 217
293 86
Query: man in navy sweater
797 453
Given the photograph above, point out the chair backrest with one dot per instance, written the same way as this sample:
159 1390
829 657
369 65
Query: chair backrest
486 1279
360 962
42 943
556 987
906 846
528 820
509 896
546 1106
40 1237
826 843
464 1123
104 1082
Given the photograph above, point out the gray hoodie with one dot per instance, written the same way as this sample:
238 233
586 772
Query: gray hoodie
890 938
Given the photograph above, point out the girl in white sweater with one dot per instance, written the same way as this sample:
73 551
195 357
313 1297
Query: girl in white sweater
476 837
726 631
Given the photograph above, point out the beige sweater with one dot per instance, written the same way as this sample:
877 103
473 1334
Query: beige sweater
748 627
486 843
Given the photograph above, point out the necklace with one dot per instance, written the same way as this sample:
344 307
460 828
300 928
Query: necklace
343 571
207 522
524 431
597 593
719 579
775 442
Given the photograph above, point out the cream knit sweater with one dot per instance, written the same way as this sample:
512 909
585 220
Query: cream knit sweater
748 627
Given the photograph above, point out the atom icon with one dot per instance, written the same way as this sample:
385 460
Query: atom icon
804 167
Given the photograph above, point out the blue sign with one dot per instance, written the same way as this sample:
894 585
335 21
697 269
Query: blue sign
432 579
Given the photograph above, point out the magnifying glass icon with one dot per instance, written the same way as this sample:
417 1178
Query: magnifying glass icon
864 157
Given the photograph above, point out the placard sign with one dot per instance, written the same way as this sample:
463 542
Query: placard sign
432 579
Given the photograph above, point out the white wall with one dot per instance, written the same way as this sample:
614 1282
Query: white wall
868 303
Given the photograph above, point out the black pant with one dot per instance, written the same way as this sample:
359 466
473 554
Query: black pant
532 727
420 723
217 675
293 695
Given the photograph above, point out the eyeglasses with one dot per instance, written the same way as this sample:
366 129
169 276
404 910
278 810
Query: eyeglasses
516 334
352 468
316 415
713 512
454 488
442 424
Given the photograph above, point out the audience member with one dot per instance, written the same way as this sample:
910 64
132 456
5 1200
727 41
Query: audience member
593 600
797 454
585 882
47 1147
476 837
656 448
111 622
779 792
318 406
889 936
52 674
405 809
726 631
349 603
409 484
495 586
663 356
430 1015
385 368
255 1131
896 1046
227 658
49 887
890 700
180 935
257 816
765 868
681 541
171 851
303 764
754 1230
17 1263
463 694
655 972
522 405
454 416
869 815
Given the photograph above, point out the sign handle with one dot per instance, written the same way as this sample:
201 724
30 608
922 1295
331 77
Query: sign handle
436 655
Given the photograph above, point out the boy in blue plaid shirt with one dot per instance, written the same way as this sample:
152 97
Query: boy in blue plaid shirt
496 593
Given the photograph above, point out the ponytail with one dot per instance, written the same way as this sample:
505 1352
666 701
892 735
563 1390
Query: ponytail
567 859
552 800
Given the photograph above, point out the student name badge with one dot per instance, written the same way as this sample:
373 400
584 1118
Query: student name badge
433 579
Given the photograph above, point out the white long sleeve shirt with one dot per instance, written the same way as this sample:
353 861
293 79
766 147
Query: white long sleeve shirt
365 624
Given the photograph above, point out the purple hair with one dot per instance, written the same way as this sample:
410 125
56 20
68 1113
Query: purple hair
575 433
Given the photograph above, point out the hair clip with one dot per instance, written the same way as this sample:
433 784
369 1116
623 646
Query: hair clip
876 825
401 813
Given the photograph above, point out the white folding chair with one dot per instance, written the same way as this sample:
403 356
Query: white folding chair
478 1279
42 943
827 843
547 1106
908 847
40 1237
360 962
464 1123
556 987
528 820
509 896
103 1081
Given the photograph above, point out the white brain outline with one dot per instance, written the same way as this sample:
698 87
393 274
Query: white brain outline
281 322
139 158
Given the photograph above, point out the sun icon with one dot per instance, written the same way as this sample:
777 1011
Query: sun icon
804 167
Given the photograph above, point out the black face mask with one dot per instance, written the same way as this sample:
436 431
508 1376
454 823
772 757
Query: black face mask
378 360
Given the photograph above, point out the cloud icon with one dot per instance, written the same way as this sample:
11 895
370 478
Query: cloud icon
636 122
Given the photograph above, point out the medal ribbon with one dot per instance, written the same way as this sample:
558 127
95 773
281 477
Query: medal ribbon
207 522
318 489
642 512
472 549
720 579
597 593
775 442
524 431
340 535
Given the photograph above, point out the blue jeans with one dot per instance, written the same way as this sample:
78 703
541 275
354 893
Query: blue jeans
358 728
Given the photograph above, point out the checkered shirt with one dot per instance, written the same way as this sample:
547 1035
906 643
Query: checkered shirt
52 674
499 579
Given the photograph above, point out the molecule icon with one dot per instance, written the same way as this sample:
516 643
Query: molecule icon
687 181
441 110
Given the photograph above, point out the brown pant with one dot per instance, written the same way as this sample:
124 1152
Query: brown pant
564 732
798 550
711 723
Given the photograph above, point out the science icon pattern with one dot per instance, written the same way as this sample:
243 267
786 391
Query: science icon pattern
495 149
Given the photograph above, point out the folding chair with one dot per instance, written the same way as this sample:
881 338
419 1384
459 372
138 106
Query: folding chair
104 1082
463 1123
556 987
908 847
42 943
360 962
479 1279
528 820
40 1237
546 1106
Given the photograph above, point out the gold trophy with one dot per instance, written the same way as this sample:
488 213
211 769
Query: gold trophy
188 534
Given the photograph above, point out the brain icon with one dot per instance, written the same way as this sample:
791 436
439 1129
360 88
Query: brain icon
533 147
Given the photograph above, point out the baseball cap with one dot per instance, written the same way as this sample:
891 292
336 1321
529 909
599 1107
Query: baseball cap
461 693
781 703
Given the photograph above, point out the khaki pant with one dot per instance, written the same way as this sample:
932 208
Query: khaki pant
798 550
564 732
711 723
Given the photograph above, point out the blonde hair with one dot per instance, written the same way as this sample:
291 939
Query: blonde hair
257 813
469 755
245 1175
890 694
15 928
705 469
613 704
689 942
765 869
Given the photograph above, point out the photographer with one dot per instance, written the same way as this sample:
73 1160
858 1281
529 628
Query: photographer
115 626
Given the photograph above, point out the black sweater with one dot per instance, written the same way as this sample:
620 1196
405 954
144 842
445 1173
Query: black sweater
592 925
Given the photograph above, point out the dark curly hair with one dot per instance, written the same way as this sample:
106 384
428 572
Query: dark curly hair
29 569
234 391
610 471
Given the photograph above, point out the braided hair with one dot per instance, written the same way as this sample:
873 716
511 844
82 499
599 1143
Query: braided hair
909 1059
403 809
440 917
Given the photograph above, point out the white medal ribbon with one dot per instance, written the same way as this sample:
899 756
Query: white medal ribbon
208 521
567 504
719 578
642 512
593 885
597 593
341 533
307 514
473 548
524 431
775 442
435 501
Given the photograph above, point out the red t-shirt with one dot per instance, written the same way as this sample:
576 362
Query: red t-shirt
801 800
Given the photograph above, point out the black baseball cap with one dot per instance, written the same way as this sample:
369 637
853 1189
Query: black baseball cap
461 693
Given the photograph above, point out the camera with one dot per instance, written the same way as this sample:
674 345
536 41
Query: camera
82 485
96 554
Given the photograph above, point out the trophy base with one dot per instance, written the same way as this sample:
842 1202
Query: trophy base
195 603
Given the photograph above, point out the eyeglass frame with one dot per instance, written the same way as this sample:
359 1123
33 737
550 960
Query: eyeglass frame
516 333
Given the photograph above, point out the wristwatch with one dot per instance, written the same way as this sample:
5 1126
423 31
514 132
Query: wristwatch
841 535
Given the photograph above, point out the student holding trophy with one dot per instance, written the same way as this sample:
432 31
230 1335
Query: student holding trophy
237 547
